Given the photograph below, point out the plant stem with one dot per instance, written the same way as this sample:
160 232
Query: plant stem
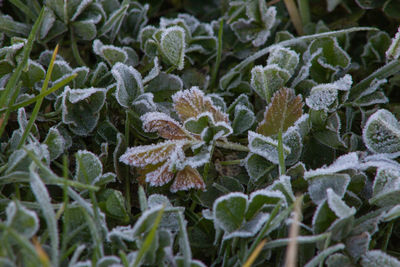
282 168
232 146
294 16
231 162
219 52
75 50
304 9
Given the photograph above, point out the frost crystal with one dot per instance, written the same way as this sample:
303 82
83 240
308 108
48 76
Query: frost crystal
393 51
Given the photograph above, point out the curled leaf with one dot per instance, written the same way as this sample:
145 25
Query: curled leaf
186 179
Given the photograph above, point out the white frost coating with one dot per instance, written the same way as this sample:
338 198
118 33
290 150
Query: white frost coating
304 71
373 258
13 217
324 95
154 72
21 117
250 228
283 57
207 214
345 162
226 197
190 21
393 51
319 184
173 46
92 167
265 147
145 103
149 117
386 181
391 214
158 199
195 161
161 148
76 95
125 77
374 85
283 185
11 49
146 215
338 206
62 65
269 194
258 80
82 5
381 133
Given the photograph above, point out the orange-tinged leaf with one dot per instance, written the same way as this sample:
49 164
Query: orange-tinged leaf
160 176
283 111
190 103
164 125
186 179
141 156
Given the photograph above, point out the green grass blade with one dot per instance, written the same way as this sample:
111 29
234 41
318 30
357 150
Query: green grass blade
187 253
149 238
12 83
38 104
23 8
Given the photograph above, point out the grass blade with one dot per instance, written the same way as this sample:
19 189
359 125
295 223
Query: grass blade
36 109
255 253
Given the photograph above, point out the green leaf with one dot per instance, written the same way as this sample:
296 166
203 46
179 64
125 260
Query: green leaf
55 143
266 147
267 80
317 185
283 111
229 211
24 221
381 133
129 84
256 166
115 206
88 167
173 46
386 191
110 53
285 58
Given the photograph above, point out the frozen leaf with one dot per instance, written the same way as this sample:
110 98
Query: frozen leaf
88 167
144 103
205 126
338 206
323 96
173 45
55 143
386 188
141 156
186 179
320 258
244 118
266 147
285 58
267 80
129 84
164 86
249 228
261 199
109 53
283 184
108 261
283 111
256 166
164 125
381 133
344 162
392 214
154 72
292 139
358 245
190 103
80 108
378 258
115 206
338 259
24 221
375 48
229 211
318 185
393 51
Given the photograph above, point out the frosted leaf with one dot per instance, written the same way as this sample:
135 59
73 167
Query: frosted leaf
110 53
358 245
304 71
164 125
229 211
318 185
283 184
55 143
322 96
338 206
192 102
265 147
173 45
154 72
345 162
391 214
381 133
256 166
142 156
145 34
129 84
77 95
186 179
267 80
24 221
112 261
195 161
283 111
250 228
284 58
320 258
375 258
263 198
208 129
157 199
393 51
88 167
79 9
244 119
145 103
386 188
292 139
374 85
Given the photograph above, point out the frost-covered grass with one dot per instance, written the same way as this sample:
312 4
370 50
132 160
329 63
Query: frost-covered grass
173 133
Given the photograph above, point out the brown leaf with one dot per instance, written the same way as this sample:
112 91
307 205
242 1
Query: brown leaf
186 179
190 103
164 125
160 176
283 111
141 156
